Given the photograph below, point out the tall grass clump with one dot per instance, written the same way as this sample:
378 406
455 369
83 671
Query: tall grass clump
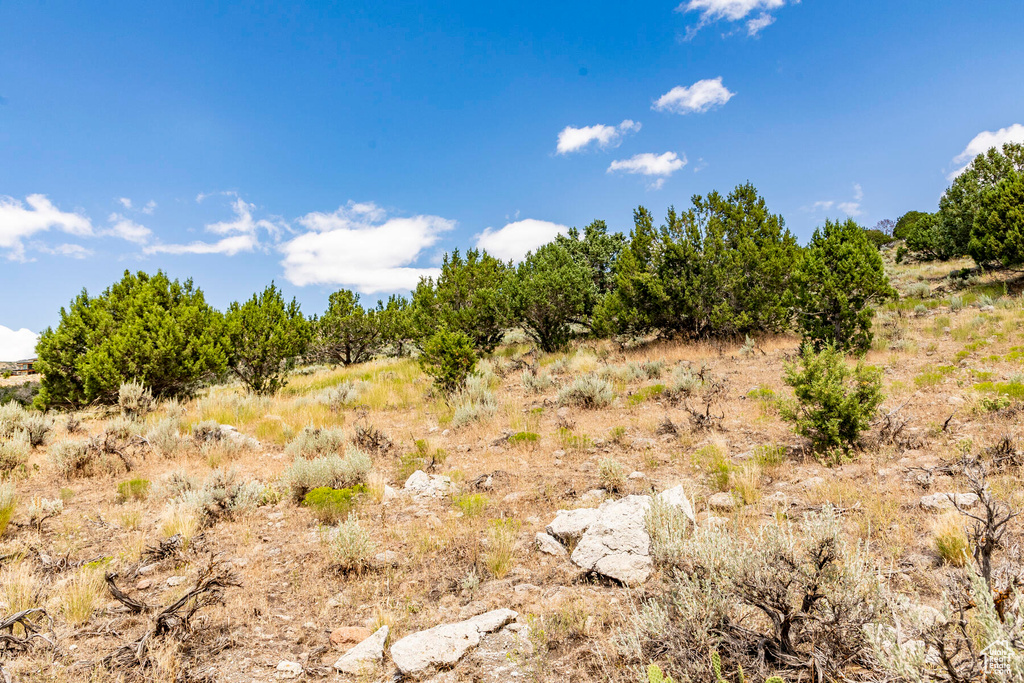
349 545
13 457
35 427
8 503
474 402
501 546
588 391
332 471
134 400
316 442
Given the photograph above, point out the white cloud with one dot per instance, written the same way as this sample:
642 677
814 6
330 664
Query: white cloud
125 202
17 344
573 139
858 192
984 141
18 221
515 240
732 10
759 23
149 208
359 246
825 205
697 98
851 209
229 246
241 233
75 251
127 229
649 164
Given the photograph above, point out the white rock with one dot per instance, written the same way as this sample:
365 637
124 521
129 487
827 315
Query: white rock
423 485
549 545
939 502
286 669
389 494
722 502
444 645
568 525
617 544
637 475
677 496
175 580
365 655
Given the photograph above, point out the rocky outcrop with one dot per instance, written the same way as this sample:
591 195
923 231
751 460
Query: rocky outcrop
612 539
365 655
444 645
423 485
940 502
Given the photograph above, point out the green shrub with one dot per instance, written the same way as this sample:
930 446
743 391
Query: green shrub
472 504
840 277
645 393
8 502
655 675
833 405
165 436
331 470
524 437
449 359
264 335
330 505
133 489
145 328
588 391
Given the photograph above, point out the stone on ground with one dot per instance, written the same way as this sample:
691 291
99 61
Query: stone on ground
444 645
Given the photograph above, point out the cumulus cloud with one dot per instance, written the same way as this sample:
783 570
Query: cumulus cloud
17 344
826 205
19 220
360 246
650 164
984 141
858 192
515 240
732 11
572 139
697 98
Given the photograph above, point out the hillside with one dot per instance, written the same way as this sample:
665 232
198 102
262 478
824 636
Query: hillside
457 514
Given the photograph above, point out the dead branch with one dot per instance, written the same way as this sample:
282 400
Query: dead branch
134 606
27 620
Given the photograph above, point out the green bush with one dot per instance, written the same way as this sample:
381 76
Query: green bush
471 504
145 328
551 294
315 442
264 336
133 489
833 405
840 277
330 505
449 359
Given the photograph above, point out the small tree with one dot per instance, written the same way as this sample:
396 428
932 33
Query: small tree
264 335
347 333
144 328
449 358
550 293
468 295
998 232
833 405
839 278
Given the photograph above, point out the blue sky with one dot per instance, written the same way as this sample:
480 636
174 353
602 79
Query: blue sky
351 144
